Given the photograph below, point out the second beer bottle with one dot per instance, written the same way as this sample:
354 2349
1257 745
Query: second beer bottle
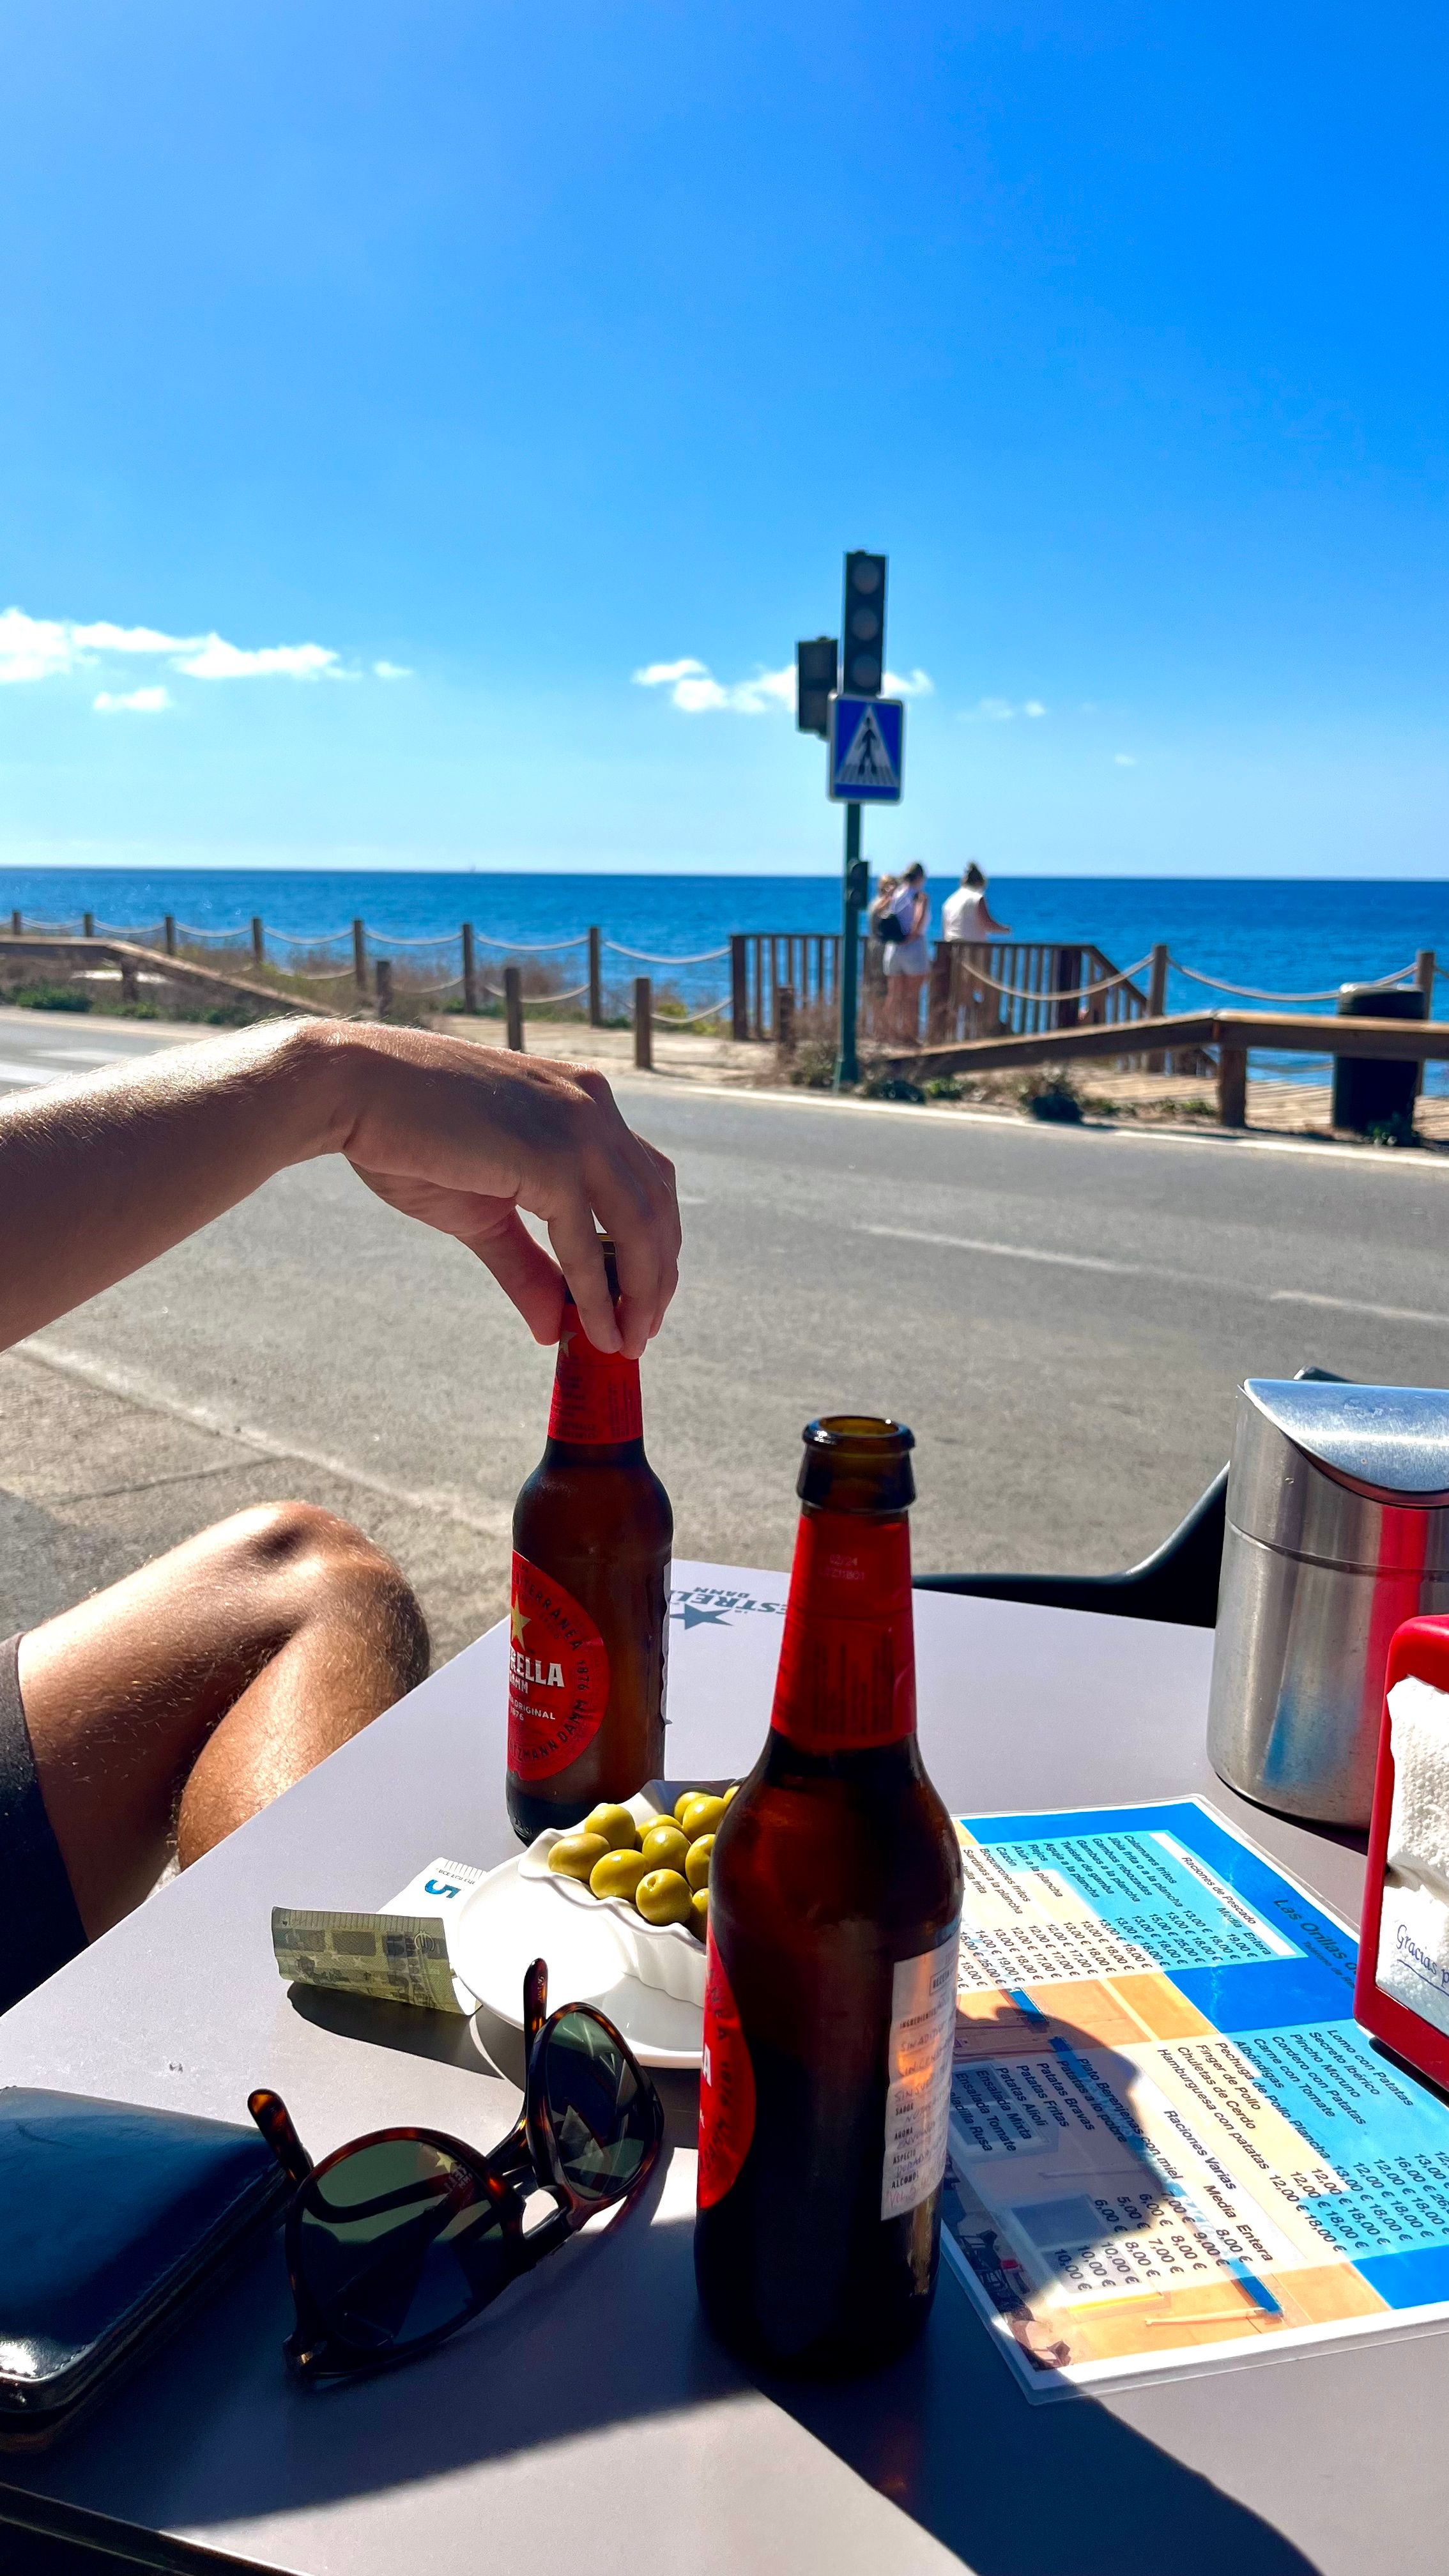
592 1531
830 2005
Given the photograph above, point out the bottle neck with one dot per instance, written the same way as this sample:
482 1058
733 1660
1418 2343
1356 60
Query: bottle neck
596 1401
847 1678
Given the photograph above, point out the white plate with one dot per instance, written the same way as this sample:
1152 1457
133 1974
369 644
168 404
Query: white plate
509 1921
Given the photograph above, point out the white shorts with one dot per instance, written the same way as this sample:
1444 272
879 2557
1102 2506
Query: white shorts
908 957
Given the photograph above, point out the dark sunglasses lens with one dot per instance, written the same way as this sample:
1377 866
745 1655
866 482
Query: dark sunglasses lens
601 2114
396 2243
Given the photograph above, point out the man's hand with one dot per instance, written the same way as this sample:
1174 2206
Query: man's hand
99 1175
470 1140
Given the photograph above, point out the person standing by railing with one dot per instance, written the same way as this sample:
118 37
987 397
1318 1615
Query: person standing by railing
966 914
967 921
907 958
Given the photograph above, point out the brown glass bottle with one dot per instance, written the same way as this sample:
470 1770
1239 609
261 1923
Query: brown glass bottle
592 1531
834 1906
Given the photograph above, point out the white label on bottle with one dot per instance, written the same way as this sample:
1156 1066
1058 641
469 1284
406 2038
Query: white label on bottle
918 2103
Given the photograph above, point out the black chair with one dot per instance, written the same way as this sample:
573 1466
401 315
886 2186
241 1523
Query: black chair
1179 1581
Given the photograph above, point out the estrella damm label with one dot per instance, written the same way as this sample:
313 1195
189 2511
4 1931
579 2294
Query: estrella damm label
558 1676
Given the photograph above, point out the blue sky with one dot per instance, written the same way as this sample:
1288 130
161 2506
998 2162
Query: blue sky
519 352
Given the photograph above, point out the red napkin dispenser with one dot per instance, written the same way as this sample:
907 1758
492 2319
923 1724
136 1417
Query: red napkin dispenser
1404 1938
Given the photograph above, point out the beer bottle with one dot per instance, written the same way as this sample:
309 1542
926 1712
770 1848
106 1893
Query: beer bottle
834 1908
589 1611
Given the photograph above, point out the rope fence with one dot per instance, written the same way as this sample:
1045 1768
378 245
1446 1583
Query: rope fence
1072 993
1253 993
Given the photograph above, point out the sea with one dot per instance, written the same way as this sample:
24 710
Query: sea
1294 940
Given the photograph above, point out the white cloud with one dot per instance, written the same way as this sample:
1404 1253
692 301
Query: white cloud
1125 759
48 648
32 648
218 660
662 675
141 702
909 684
105 638
1001 710
391 671
694 690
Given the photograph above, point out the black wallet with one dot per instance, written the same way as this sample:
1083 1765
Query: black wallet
114 2221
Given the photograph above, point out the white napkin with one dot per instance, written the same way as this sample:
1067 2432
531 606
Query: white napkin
1413 1960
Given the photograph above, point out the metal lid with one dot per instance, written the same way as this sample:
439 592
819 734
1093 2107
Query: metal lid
1317 1466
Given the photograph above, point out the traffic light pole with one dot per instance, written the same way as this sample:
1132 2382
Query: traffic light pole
847 1067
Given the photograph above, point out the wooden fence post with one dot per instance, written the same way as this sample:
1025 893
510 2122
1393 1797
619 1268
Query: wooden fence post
17 926
1157 1001
470 971
168 934
88 925
939 998
384 987
513 1007
1425 966
359 958
1232 1086
259 941
596 979
784 1022
739 990
643 1024
1066 981
130 989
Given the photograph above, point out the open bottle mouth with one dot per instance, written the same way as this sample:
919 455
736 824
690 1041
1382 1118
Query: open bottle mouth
857 1462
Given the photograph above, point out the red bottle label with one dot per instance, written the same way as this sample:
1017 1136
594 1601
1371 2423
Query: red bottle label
595 1393
726 2087
558 1676
847 1677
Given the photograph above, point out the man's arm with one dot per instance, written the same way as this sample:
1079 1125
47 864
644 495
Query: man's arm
100 1174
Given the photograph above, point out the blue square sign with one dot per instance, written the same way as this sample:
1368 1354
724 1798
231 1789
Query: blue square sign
867 739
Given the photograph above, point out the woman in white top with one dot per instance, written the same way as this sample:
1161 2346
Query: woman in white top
907 958
966 914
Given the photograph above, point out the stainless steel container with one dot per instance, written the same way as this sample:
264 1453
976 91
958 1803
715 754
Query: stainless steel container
1338 1528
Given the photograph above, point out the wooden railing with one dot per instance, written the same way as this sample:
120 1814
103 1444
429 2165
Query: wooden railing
764 963
1043 982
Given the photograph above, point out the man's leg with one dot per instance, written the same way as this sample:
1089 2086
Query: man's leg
173 1706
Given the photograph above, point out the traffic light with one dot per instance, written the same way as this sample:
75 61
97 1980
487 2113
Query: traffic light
815 669
863 623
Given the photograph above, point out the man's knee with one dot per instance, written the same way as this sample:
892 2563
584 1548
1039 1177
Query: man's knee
322 1568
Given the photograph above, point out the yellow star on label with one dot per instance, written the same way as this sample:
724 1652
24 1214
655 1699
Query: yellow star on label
519 1620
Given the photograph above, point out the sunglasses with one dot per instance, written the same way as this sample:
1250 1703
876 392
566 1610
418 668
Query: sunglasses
397 2240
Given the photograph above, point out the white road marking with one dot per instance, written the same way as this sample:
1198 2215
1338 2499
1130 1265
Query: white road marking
1019 1252
27 1073
1356 1306
1148 1270
88 1055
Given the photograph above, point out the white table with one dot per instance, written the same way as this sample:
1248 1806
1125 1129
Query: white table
588 2420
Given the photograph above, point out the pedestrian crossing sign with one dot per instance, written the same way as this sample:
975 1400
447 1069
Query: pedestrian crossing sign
867 738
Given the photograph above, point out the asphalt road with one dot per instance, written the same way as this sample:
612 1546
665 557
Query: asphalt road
1062 1316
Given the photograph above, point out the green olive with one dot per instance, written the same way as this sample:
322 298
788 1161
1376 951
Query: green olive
574 1855
682 1801
618 1873
699 1911
702 1816
730 1792
696 1867
664 1847
663 1897
616 1826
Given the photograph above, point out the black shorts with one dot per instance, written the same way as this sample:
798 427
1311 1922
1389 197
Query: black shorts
41 1928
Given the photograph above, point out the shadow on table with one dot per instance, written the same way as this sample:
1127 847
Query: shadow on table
607 2333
